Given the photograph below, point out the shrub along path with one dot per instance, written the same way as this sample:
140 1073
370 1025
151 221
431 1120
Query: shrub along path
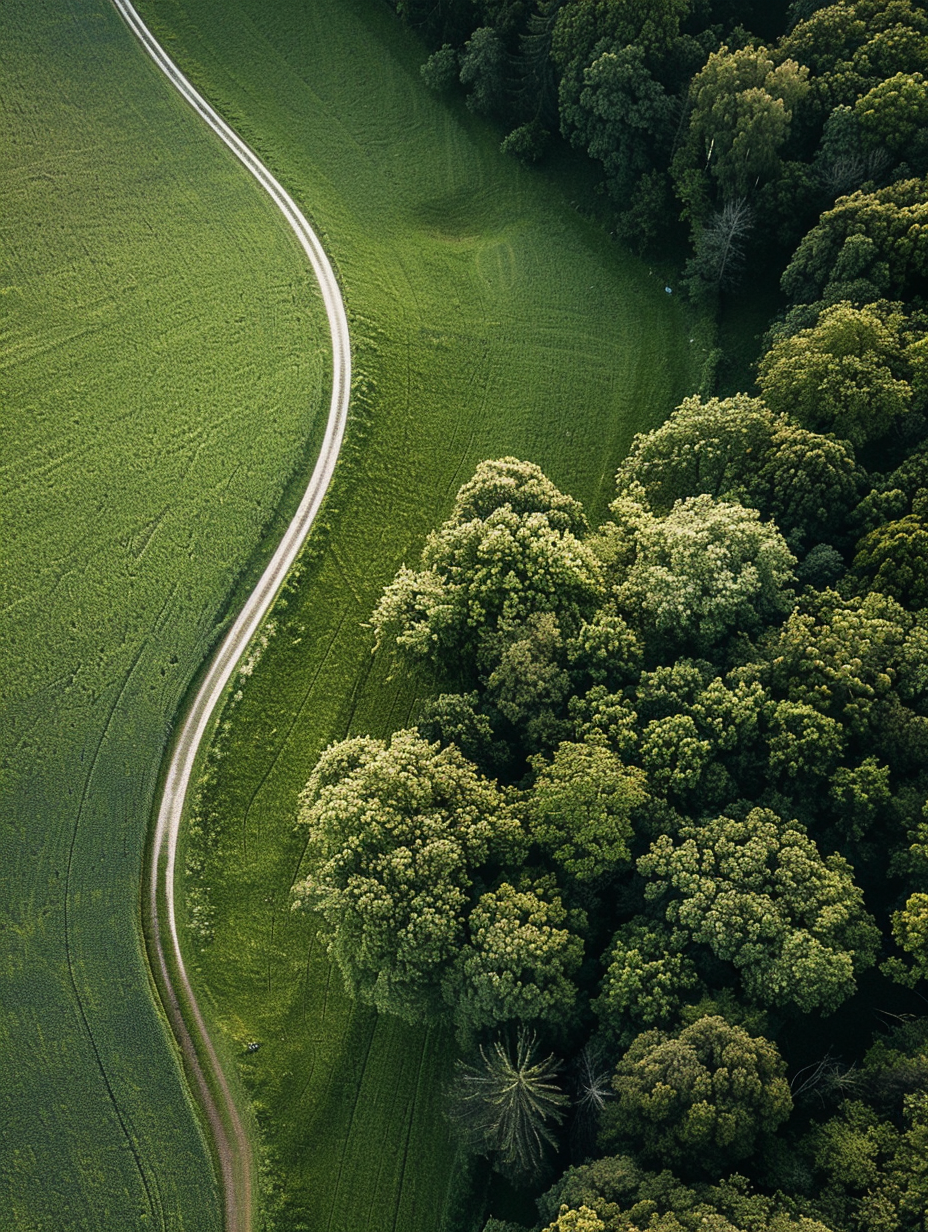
488 318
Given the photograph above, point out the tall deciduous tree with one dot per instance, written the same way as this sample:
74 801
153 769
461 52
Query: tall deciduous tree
580 808
708 567
894 114
396 832
760 895
893 559
742 105
648 979
850 373
737 449
582 24
510 551
517 963
699 1097
869 246
619 114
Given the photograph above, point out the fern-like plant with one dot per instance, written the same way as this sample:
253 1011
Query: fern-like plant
507 1104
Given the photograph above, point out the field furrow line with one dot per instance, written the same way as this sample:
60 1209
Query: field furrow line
230 1140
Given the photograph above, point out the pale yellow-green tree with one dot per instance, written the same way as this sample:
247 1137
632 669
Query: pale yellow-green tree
851 373
395 833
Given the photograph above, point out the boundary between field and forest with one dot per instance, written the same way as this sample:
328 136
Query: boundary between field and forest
230 1140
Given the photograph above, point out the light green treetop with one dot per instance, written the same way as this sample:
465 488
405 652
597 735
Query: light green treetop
509 552
708 567
849 373
760 895
395 833
742 108
580 808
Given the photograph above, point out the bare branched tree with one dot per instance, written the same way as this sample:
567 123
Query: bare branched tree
824 1079
721 247
592 1084
591 1089
843 175
505 1104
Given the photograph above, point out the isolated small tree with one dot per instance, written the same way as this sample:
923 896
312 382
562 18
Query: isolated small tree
507 1104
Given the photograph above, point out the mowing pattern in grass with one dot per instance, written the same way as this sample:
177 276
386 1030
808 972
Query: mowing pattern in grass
489 319
164 371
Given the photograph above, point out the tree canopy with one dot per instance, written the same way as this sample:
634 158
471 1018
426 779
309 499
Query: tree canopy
396 832
758 893
738 449
850 373
509 552
518 960
706 568
699 1096
742 104
869 246
581 808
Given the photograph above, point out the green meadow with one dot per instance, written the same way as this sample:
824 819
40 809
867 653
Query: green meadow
488 318
164 379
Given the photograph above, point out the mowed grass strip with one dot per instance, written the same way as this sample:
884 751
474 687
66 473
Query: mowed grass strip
164 380
489 319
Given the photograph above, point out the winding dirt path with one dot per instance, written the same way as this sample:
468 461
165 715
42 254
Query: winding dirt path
230 1139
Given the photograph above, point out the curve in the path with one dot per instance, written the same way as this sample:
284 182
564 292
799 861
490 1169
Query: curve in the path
231 1141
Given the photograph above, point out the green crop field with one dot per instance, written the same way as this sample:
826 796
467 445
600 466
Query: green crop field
164 374
488 319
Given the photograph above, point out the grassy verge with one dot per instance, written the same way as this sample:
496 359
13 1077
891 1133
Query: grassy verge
164 370
488 319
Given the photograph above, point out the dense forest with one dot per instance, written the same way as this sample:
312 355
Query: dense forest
743 126
657 849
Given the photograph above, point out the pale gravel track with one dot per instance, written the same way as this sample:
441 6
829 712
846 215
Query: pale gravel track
232 1146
